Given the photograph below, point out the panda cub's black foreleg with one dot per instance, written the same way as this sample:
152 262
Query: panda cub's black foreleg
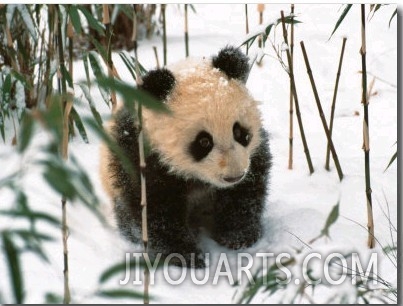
167 215
238 210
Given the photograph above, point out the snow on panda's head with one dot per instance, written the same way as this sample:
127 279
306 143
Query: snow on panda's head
213 128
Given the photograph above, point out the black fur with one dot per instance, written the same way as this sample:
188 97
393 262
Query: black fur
159 83
233 63
236 211
201 146
241 134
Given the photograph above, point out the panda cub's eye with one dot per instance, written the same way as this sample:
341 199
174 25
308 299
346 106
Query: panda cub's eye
201 146
241 134
204 142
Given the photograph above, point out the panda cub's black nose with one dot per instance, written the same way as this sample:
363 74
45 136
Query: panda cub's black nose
233 179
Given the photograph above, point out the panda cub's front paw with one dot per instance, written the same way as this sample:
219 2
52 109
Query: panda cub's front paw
239 240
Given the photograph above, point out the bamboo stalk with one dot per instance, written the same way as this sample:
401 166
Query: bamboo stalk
143 201
186 31
67 105
108 41
322 115
336 86
260 9
294 91
134 33
291 137
164 33
246 19
156 57
50 55
70 35
364 101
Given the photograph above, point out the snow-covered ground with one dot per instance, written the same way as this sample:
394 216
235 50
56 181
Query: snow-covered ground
298 203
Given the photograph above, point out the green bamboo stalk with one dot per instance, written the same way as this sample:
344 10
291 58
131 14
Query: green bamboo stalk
260 9
322 115
67 105
186 31
294 91
108 41
291 137
143 200
246 19
334 102
164 33
364 101
156 57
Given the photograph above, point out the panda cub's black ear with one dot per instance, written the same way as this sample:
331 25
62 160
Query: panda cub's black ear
233 63
159 83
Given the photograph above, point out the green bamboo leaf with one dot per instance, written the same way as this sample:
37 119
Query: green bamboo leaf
116 269
128 64
393 15
120 293
110 272
53 298
100 48
87 70
75 18
28 20
37 216
66 75
127 164
341 18
13 259
391 161
88 97
27 128
193 8
98 73
131 93
6 89
93 23
79 124
2 127
331 219
32 235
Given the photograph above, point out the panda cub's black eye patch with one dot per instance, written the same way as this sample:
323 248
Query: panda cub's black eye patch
241 134
201 146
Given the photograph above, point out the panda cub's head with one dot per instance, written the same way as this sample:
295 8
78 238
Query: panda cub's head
214 125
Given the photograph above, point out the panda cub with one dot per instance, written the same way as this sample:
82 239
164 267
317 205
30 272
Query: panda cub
208 164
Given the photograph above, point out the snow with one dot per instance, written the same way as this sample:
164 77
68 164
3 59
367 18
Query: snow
298 203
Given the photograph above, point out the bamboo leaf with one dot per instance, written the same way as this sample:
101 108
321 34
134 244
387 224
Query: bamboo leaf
193 8
93 23
131 93
98 73
391 161
13 259
341 18
393 15
120 293
93 109
115 269
27 128
331 219
2 127
6 89
112 145
31 215
28 20
128 64
79 124
66 75
75 18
